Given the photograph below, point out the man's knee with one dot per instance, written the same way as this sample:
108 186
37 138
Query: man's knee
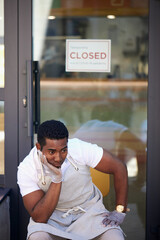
112 234
40 236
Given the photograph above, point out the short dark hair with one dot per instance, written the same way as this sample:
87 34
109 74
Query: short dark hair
51 129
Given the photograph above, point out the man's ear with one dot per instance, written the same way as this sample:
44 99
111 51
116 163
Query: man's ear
38 146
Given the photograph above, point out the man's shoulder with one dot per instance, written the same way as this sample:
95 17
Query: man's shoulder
73 141
28 161
75 148
77 143
84 153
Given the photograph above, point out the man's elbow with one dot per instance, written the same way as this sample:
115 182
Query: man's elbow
122 170
39 219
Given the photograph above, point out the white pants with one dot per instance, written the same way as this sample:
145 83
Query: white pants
112 234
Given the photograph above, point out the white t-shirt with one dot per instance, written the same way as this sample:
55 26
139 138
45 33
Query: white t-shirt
82 152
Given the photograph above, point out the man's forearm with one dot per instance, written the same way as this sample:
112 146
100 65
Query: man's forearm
46 205
112 165
121 186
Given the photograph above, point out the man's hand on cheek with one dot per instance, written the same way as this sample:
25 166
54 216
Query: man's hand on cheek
56 173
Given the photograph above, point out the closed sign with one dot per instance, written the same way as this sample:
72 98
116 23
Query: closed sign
87 55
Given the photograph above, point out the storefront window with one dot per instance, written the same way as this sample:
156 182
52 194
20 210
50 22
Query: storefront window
107 108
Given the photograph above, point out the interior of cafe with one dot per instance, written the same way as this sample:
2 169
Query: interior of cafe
106 108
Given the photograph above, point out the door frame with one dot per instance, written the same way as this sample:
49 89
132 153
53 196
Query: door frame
18 49
11 108
153 153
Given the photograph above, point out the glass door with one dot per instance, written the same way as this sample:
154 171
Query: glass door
104 107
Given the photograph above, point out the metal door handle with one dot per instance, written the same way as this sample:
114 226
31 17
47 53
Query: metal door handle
36 95
29 98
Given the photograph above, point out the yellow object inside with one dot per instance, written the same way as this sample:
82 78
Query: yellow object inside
101 180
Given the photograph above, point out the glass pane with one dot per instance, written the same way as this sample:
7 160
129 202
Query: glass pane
1 43
109 109
1 137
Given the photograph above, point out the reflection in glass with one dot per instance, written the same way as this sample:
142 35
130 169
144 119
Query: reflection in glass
1 43
109 109
1 137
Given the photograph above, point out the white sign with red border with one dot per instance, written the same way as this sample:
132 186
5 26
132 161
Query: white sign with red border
88 55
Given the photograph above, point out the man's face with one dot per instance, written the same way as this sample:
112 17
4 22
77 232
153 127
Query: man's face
55 151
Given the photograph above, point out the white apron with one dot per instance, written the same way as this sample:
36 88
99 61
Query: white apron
79 212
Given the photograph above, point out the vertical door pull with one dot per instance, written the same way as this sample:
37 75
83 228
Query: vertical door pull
29 98
36 73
